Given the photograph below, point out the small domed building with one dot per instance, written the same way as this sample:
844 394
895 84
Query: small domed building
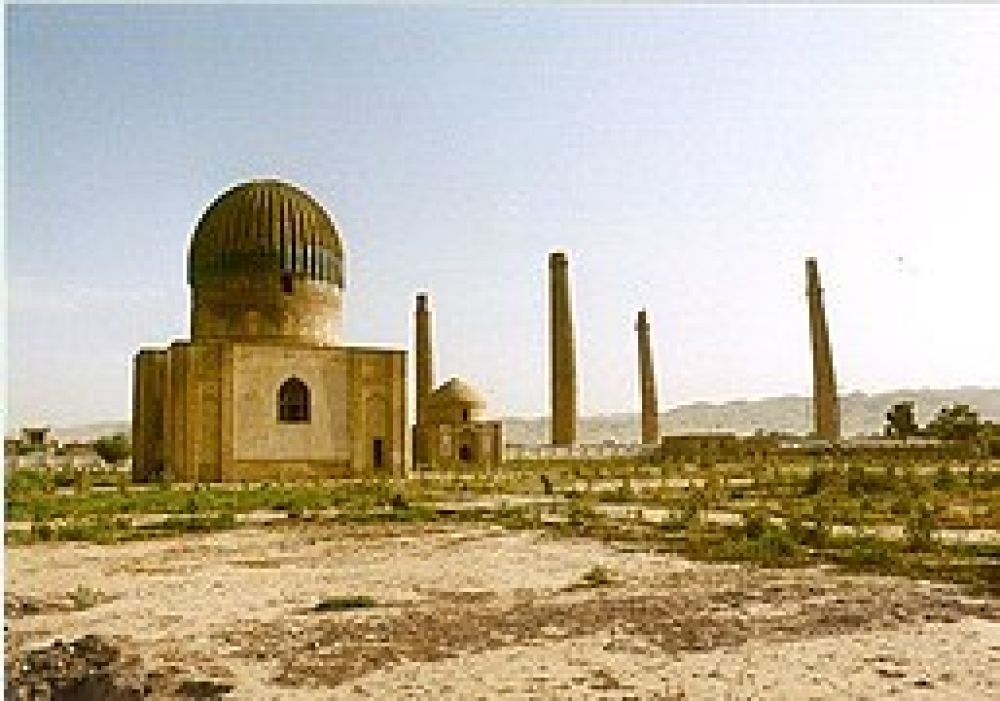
450 430
455 431
265 389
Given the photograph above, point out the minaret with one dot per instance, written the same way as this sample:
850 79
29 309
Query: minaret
826 411
424 374
647 383
563 352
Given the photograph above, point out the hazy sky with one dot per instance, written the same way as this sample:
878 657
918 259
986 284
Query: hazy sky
688 159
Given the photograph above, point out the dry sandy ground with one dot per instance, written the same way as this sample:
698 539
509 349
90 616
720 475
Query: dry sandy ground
471 612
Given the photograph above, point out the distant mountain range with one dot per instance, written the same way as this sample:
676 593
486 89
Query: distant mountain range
861 414
89 432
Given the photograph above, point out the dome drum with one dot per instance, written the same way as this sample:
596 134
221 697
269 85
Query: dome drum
243 307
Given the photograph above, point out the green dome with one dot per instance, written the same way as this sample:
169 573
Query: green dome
266 227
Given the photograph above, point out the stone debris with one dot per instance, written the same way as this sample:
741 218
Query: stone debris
90 668
203 689
95 668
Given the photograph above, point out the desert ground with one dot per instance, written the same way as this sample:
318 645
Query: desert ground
473 611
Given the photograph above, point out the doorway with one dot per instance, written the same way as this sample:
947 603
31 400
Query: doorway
378 457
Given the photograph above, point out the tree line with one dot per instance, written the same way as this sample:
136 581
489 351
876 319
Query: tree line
956 422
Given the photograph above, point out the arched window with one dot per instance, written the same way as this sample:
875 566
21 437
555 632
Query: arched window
293 401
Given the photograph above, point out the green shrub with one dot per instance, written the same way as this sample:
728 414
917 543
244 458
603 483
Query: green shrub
84 597
42 532
345 603
515 517
625 492
82 482
690 511
673 522
291 507
64 478
81 531
901 506
192 524
112 449
920 528
944 478
755 523
990 480
856 480
822 529
580 513
868 552
815 482
191 504
40 510
409 514
774 545
596 576
797 529
23 482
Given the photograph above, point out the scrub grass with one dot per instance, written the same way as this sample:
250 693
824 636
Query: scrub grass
787 514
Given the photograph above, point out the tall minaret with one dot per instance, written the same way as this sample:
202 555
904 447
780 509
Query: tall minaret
647 383
563 352
424 374
826 411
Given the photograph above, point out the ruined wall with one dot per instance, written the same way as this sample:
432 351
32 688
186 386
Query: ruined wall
174 416
193 412
149 376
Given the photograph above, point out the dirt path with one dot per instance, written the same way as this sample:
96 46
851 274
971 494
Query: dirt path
469 612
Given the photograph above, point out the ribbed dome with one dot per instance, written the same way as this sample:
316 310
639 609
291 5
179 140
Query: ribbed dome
457 391
266 226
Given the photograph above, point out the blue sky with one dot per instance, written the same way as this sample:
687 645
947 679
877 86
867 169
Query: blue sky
688 159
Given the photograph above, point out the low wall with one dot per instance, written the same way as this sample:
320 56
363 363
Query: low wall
592 451
41 461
